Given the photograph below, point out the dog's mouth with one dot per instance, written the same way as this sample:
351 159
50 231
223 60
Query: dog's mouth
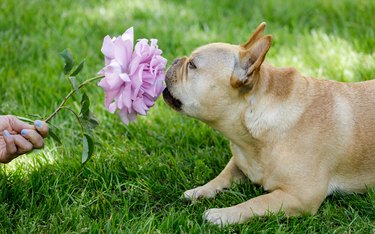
172 101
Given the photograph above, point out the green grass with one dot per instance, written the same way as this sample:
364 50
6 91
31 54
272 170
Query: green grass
134 181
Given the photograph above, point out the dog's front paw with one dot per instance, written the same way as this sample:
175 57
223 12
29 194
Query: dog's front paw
224 216
204 191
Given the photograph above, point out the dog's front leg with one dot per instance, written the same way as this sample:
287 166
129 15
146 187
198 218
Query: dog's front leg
230 174
273 202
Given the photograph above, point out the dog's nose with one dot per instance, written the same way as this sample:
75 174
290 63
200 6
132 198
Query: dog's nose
175 61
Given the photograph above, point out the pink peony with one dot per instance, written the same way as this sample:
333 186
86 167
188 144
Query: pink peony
134 79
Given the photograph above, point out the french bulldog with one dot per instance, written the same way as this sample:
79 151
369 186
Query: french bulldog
298 137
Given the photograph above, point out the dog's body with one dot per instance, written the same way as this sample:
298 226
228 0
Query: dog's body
300 138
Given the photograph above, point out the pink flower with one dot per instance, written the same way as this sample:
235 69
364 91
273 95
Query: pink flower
134 77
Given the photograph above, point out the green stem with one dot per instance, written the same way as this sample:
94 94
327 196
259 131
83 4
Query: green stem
25 119
70 94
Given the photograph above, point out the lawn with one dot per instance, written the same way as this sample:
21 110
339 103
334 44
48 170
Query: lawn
134 181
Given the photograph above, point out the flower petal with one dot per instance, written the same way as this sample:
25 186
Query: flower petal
132 116
109 97
136 83
149 101
112 107
128 35
127 116
124 77
124 116
136 60
139 106
120 52
120 101
107 47
126 93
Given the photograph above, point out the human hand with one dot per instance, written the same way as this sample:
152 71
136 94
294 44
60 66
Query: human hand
17 137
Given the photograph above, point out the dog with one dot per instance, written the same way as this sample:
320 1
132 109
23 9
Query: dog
300 138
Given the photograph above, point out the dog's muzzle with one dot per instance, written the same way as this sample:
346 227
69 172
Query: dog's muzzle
170 78
172 101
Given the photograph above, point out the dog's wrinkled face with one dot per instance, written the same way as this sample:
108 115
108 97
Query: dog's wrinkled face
208 84
199 85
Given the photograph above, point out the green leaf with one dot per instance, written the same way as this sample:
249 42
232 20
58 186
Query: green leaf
93 120
69 61
89 123
88 147
54 135
85 107
78 68
73 81
86 117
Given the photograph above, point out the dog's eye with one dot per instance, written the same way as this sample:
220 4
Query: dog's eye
191 65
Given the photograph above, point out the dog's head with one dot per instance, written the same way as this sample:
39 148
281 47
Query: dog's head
215 76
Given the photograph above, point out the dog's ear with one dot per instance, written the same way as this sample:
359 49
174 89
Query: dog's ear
251 59
257 34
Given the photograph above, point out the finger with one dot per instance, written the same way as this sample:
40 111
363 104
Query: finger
34 137
17 125
41 127
23 145
10 148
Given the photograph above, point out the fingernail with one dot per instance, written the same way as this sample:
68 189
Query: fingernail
38 123
6 133
23 132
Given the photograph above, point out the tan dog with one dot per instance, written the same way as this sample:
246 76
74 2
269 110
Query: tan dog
299 137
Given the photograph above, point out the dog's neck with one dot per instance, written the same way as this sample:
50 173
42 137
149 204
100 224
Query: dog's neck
274 82
229 123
